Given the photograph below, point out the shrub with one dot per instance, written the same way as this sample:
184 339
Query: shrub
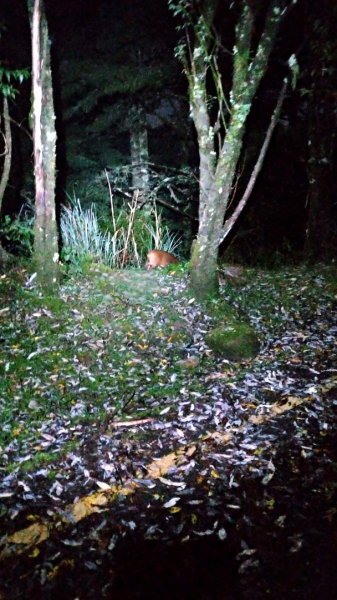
17 234
124 242
82 239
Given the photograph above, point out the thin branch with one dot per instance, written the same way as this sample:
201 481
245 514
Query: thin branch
258 165
175 209
132 207
132 423
22 128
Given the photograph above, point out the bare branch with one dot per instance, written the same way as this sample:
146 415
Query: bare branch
258 165
20 126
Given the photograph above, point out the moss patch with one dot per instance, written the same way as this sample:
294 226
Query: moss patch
235 341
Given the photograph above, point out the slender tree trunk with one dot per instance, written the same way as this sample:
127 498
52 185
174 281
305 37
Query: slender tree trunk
139 153
231 221
46 257
7 151
4 256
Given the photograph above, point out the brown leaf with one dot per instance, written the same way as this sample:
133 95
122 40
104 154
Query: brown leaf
88 505
34 534
160 466
94 502
277 409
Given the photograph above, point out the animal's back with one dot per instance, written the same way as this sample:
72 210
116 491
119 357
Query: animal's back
159 258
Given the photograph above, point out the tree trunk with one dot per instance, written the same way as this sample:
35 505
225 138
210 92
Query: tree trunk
139 153
220 138
7 152
203 265
4 256
230 222
215 187
46 257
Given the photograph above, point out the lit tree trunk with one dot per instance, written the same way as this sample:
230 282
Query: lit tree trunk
46 257
7 136
220 139
139 153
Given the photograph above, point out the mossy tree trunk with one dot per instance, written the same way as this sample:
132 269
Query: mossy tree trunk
7 153
220 138
46 257
139 148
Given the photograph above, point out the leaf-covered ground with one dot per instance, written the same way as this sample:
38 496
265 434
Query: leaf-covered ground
135 463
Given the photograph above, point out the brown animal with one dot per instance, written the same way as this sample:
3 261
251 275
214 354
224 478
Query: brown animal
159 258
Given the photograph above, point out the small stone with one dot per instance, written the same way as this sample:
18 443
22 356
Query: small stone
33 405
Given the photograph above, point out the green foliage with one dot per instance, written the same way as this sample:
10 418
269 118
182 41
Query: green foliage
124 69
164 239
83 241
7 76
169 186
161 236
17 234
122 241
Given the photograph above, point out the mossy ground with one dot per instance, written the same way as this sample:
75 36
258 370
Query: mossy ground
115 335
233 340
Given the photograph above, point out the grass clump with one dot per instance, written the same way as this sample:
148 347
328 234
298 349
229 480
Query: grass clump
123 242
83 241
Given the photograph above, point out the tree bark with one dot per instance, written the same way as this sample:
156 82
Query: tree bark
220 143
230 222
46 257
139 153
7 152
4 256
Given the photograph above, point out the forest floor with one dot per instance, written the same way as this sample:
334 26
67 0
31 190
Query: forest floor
137 464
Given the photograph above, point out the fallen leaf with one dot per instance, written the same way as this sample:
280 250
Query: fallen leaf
88 505
34 534
160 466
171 502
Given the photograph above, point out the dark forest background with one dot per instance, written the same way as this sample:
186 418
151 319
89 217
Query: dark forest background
110 58
162 437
